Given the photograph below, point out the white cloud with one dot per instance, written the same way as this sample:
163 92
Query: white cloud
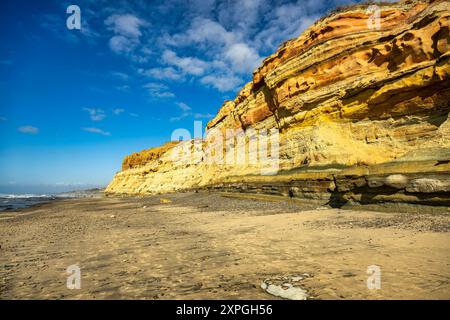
188 65
185 111
203 116
97 131
202 31
121 44
167 73
228 57
242 58
183 106
288 21
225 40
158 90
127 33
124 88
215 42
118 111
28 130
95 114
127 25
120 75
244 15
222 83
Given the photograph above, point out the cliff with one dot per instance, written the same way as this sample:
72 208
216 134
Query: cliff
352 114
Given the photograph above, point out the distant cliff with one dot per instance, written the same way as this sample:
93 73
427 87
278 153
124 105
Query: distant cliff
361 115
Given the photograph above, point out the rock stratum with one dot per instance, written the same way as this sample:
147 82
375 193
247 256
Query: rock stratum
361 116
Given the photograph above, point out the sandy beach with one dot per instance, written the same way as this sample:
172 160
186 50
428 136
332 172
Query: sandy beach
219 246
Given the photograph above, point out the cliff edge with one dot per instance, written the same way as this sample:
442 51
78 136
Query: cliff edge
360 116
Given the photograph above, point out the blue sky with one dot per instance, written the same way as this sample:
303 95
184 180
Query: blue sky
73 103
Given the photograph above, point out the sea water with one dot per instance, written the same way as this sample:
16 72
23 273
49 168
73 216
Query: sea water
20 201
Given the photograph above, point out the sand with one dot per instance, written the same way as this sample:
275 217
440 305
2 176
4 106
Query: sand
219 246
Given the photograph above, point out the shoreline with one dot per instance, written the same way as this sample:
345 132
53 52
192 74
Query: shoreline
18 202
206 245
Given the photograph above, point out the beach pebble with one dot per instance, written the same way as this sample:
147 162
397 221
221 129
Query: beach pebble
112 216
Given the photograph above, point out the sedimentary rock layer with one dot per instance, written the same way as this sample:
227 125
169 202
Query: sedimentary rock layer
354 107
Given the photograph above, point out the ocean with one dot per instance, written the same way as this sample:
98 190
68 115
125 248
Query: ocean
20 201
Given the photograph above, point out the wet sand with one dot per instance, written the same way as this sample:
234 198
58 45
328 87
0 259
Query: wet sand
219 246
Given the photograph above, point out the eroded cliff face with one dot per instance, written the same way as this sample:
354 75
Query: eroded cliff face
355 108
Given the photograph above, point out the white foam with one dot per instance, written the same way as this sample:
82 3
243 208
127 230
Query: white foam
24 196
